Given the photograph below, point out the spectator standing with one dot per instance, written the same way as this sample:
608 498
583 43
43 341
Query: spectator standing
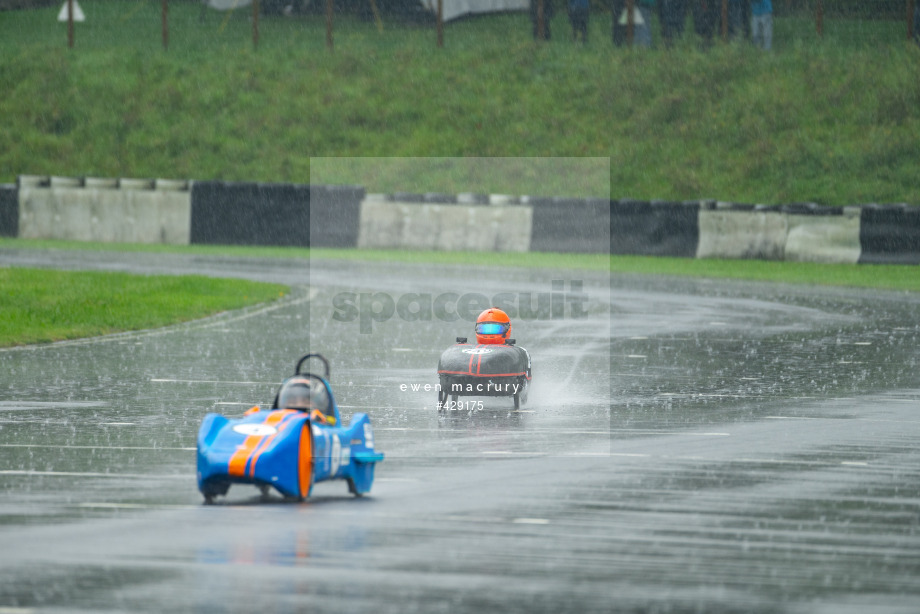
917 23
762 24
672 14
548 13
578 15
736 11
643 31
705 17
620 22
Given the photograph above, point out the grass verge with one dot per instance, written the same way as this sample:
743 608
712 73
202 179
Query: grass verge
39 306
889 277
834 120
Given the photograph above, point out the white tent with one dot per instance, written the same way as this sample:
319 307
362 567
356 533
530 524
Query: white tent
452 9
226 5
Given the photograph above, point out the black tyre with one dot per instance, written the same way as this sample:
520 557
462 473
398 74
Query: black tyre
442 399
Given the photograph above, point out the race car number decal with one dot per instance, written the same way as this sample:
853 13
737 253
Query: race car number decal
335 457
255 430
477 351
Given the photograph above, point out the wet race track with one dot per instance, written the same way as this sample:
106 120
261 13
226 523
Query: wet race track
688 446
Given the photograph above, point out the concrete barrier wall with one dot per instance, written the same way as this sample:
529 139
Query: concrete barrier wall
794 233
830 237
70 210
167 211
741 234
387 224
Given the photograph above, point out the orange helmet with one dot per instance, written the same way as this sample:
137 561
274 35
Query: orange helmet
492 326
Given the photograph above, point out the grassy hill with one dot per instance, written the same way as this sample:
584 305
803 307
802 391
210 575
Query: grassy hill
834 120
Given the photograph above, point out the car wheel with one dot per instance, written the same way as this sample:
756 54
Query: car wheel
442 399
524 391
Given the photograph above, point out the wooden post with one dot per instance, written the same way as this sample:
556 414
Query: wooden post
165 24
541 24
630 22
724 20
440 23
255 24
329 24
70 23
819 18
910 20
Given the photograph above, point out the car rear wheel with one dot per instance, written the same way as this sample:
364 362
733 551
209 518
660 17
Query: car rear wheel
520 397
442 399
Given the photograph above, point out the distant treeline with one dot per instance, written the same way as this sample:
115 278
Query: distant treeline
853 9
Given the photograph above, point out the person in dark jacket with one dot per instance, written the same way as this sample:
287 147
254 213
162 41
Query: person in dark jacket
578 15
642 22
548 12
705 17
672 14
917 22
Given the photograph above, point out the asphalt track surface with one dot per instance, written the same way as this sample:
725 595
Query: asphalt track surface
689 446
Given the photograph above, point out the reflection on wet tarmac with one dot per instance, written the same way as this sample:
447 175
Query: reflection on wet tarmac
709 446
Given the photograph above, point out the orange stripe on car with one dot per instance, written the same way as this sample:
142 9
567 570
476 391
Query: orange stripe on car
282 424
306 460
239 459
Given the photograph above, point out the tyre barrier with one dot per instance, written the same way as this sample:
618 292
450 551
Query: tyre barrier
231 213
889 234
9 210
654 228
249 213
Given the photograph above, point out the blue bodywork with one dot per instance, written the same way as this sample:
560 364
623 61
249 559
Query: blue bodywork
286 449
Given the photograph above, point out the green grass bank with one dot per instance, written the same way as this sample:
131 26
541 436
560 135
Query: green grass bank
889 277
40 306
834 120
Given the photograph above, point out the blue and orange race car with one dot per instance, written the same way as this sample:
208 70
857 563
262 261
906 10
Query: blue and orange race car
290 447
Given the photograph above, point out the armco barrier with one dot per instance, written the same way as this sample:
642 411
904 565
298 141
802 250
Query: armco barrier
657 228
9 210
889 234
335 213
570 225
250 214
